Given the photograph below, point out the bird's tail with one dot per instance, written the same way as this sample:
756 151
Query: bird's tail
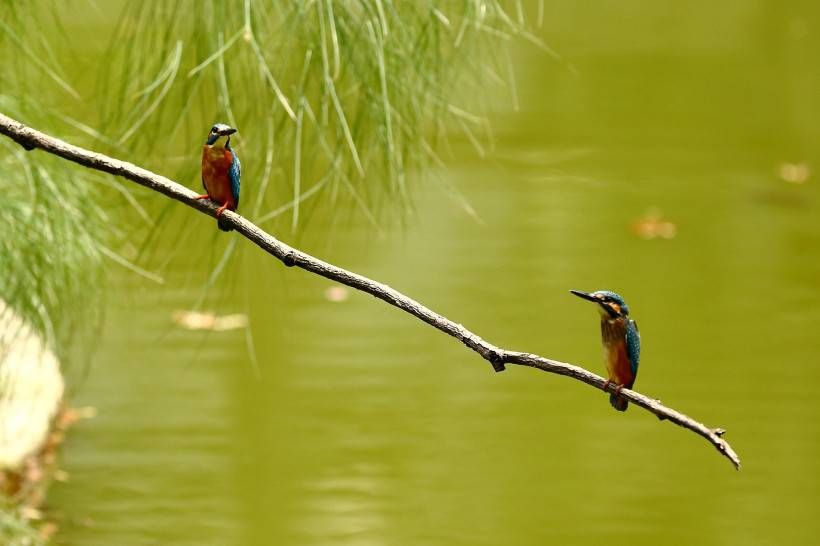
223 224
618 403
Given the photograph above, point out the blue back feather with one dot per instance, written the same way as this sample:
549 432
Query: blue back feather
235 173
633 346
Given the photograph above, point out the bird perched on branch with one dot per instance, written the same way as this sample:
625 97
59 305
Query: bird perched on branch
621 342
221 171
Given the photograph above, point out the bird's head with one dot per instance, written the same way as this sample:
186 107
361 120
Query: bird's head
610 304
220 135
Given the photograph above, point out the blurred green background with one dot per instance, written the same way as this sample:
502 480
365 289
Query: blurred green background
669 153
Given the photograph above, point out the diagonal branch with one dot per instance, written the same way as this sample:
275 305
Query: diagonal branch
30 138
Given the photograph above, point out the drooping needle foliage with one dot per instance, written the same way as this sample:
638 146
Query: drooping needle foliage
333 99
50 217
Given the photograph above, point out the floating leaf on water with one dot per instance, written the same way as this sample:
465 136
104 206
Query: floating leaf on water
48 530
70 415
337 293
794 173
195 320
29 512
653 226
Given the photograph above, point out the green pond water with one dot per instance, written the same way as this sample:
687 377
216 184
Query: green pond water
364 426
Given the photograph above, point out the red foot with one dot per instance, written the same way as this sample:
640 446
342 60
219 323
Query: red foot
206 196
618 389
221 209
607 383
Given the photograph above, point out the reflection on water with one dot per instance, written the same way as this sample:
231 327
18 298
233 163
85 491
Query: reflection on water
368 427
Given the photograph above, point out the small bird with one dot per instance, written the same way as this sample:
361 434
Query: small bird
621 342
221 171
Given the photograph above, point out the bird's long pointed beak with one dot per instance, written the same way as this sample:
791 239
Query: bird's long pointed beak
585 295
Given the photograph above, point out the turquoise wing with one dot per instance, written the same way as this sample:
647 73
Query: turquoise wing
633 346
235 173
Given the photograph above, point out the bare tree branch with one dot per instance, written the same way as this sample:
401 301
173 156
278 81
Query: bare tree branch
498 357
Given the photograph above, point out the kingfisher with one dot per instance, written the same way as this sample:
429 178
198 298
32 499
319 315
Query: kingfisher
220 171
621 342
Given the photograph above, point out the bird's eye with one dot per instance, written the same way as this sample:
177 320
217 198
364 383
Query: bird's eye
214 129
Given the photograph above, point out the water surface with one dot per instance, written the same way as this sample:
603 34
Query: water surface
364 426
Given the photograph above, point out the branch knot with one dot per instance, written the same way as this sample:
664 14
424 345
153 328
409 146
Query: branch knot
289 259
496 358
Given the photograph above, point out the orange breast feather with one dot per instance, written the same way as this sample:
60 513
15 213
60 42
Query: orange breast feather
215 164
618 366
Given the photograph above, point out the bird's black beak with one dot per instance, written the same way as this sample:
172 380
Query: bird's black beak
585 295
227 132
